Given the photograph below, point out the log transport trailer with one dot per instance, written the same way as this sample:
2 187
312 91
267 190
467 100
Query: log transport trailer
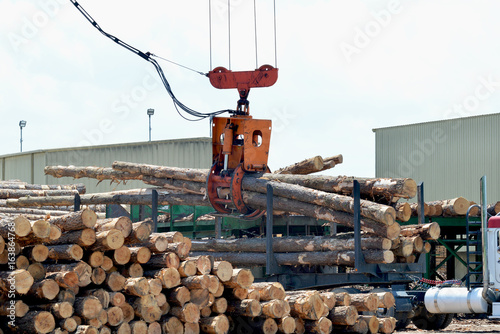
428 307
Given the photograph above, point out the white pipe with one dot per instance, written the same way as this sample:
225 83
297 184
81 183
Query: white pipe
455 300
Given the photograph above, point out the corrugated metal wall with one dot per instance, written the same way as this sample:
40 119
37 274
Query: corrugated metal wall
28 167
448 156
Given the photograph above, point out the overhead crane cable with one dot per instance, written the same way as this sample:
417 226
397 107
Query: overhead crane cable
255 26
210 29
148 56
229 29
275 39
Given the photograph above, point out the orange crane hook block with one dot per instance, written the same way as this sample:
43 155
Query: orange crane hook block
240 144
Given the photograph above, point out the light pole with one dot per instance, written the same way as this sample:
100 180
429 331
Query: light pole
22 124
150 113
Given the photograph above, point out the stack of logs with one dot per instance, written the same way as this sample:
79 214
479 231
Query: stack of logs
16 189
455 207
317 196
77 273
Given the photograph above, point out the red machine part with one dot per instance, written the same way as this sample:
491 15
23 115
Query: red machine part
240 144
222 78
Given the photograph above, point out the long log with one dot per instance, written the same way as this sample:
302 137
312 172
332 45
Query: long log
188 174
80 187
258 200
17 193
304 167
378 212
89 172
388 188
287 244
382 187
339 258
135 197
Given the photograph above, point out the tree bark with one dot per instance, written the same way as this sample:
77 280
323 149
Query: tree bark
377 212
321 326
343 315
259 201
331 162
140 232
36 322
75 221
90 172
65 252
494 209
84 238
365 302
215 325
276 308
340 258
169 277
168 260
430 231
308 166
17 193
134 196
403 211
383 187
188 174
80 187
288 244
269 290
139 254
123 224
307 306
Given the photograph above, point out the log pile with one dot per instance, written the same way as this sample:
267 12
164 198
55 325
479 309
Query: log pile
115 276
17 189
455 207
317 196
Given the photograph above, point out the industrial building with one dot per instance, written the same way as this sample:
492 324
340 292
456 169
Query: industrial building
449 156
28 166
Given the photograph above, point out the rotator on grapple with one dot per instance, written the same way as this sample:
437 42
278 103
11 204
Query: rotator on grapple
240 144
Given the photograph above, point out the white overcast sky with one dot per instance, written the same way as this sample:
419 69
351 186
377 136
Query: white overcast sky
345 67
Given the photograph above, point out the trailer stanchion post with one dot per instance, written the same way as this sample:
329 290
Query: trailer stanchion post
359 259
218 227
271 264
77 203
154 209
421 203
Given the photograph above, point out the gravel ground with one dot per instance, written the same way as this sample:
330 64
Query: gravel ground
460 326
